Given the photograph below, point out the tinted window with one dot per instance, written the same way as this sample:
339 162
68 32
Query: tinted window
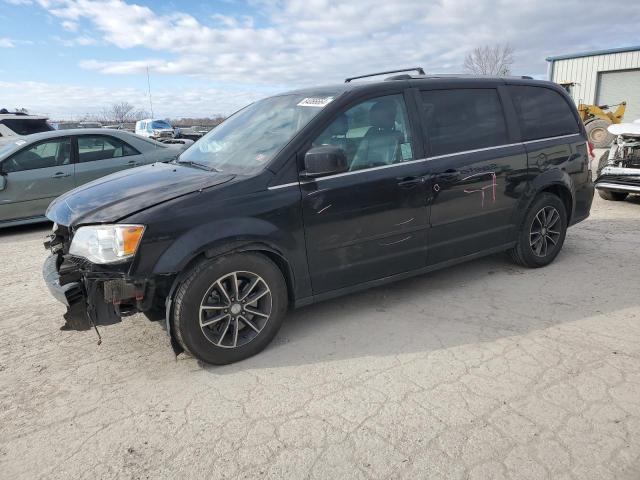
99 147
43 155
26 126
373 133
463 119
542 113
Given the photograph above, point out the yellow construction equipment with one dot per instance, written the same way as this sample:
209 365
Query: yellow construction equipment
597 118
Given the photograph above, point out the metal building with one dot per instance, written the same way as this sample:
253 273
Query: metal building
602 77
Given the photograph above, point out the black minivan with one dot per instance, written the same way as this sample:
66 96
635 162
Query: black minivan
315 193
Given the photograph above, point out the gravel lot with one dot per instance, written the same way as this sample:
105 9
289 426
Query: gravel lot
485 370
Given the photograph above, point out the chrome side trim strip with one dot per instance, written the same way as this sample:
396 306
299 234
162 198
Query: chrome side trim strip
552 138
616 186
284 185
436 157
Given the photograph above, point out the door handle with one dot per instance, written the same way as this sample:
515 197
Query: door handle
410 182
60 175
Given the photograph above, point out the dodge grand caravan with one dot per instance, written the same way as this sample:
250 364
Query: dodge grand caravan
319 192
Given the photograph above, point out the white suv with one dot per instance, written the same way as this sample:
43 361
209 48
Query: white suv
17 124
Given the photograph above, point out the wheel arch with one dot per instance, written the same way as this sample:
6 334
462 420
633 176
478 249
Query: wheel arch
564 193
556 182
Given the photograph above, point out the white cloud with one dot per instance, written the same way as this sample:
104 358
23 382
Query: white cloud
311 41
6 43
70 26
81 40
73 101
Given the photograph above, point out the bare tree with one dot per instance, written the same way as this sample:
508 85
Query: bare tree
493 60
122 112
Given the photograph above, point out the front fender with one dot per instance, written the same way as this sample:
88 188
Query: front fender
222 236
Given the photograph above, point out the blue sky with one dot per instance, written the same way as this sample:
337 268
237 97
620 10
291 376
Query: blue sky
70 58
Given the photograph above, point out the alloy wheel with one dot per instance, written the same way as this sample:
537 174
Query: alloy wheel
545 234
235 309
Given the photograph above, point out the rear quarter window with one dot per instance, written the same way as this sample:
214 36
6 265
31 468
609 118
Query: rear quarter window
542 113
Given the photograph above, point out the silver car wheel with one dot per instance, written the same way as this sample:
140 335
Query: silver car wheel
235 309
544 234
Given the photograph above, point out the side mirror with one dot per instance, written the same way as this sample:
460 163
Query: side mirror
3 181
324 160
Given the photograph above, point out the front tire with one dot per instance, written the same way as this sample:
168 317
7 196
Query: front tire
612 196
542 233
230 308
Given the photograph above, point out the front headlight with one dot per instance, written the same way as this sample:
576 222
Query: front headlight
106 243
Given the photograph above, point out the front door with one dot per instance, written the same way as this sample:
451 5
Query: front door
35 176
369 222
478 173
100 155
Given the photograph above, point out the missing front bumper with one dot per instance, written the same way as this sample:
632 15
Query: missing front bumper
84 299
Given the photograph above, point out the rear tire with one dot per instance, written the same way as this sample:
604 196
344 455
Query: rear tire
598 134
542 232
612 196
230 308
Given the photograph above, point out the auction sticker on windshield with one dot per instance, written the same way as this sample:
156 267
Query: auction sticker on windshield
315 102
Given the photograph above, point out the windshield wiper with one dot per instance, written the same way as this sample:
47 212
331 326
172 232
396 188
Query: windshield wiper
202 166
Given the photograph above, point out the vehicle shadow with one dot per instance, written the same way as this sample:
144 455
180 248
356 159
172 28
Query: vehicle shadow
472 303
18 232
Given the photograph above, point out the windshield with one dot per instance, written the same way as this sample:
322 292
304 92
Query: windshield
248 140
8 147
157 124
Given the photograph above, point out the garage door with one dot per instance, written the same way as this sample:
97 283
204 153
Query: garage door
614 87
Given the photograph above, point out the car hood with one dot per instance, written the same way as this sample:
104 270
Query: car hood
124 193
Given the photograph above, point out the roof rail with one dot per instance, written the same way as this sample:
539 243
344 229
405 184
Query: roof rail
471 75
417 69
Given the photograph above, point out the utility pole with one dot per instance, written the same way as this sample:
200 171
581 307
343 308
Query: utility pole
149 90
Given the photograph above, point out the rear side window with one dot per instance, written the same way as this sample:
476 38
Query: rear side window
542 113
463 119
99 147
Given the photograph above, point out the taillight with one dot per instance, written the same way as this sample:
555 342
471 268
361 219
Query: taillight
592 152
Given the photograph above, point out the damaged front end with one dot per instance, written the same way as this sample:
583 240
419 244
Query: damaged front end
620 170
93 294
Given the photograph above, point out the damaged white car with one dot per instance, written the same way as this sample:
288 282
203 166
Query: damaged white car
619 167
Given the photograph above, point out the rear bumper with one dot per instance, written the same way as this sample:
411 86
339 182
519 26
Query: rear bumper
583 202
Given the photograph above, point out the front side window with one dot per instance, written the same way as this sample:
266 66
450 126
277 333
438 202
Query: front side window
43 155
542 113
373 133
100 147
248 140
463 119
